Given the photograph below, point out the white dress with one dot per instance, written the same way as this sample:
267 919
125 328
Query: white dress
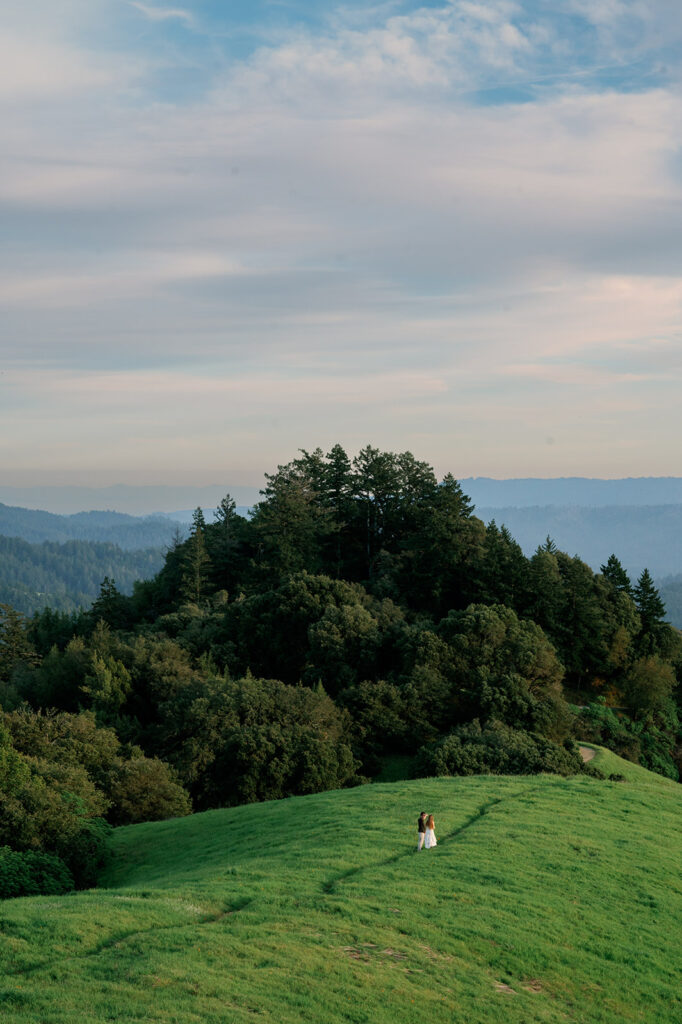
430 839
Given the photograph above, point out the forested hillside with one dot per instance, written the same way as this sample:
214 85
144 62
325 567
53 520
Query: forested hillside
67 576
131 533
362 617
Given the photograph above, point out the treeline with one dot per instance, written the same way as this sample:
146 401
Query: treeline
645 535
67 576
362 612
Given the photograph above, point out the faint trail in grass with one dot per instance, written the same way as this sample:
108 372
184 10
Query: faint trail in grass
329 887
122 937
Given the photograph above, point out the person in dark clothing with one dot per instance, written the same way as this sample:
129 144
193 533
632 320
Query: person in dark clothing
421 830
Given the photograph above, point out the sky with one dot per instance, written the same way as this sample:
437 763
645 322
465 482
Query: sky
235 229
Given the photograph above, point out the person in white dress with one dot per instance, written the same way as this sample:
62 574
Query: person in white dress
430 837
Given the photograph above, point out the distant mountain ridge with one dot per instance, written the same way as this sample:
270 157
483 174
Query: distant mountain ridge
136 500
573 491
130 533
646 536
484 491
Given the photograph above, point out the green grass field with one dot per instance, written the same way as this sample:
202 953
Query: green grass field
547 899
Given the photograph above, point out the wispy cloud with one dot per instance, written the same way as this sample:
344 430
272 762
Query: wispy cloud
162 13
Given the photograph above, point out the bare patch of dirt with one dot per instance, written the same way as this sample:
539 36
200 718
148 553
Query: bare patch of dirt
587 753
394 954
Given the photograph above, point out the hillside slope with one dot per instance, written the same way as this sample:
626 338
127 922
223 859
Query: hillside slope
68 576
130 533
547 899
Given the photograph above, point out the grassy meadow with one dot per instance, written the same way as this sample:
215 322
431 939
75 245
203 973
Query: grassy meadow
547 899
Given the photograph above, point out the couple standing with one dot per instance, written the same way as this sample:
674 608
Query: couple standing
425 828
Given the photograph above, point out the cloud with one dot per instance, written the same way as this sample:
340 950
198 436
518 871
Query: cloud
31 68
338 235
162 13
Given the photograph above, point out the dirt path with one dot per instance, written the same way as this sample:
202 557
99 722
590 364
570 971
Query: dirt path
587 753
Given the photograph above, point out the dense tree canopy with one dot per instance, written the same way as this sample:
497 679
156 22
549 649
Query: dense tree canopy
361 611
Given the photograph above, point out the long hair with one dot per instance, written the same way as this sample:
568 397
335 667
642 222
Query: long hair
429 821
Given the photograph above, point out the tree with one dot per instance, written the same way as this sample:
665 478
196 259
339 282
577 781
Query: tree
505 668
443 550
259 739
545 598
649 685
503 571
496 749
654 631
15 645
581 632
227 545
616 575
372 470
196 560
338 483
110 606
108 687
290 523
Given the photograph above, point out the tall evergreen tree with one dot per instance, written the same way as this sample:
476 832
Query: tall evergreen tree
15 645
111 605
653 634
616 575
227 545
290 523
339 497
196 560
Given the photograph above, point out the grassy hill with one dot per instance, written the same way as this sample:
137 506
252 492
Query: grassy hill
547 899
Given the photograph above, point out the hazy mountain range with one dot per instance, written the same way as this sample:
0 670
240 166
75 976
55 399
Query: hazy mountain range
645 536
573 491
134 500
484 492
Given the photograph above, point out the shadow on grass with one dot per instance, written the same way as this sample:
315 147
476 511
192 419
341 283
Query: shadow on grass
125 936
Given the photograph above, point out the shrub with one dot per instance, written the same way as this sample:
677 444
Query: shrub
591 769
146 789
496 749
84 852
32 874
73 754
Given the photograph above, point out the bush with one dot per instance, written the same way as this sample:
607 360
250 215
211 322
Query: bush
32 874
73 754
591 769
496 749
146 789
85 851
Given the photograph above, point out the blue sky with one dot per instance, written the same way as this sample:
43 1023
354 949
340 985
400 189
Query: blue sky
236 229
